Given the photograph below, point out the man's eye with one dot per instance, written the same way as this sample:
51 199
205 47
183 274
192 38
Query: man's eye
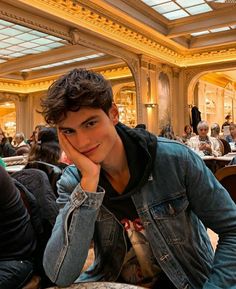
91 123
67 131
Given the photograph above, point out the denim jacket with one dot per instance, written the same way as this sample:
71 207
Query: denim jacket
180 198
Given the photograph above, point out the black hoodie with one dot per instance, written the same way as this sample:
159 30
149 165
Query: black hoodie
140 148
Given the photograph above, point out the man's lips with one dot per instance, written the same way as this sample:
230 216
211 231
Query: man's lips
89 150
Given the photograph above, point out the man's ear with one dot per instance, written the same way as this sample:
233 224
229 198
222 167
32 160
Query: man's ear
114 113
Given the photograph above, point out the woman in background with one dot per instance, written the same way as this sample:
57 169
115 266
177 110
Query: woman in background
232 137
188 133
6 149
47 148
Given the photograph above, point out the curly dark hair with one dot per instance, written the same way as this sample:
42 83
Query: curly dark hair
76 89
47 148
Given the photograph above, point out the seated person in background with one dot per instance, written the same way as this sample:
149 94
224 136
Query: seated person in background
6 149
224 145
227 122
188 133
21 146
37 129
232 136
145 201
141 125
215 132
47 148
17 237
45 155
204 144
34 136
168 132
32 141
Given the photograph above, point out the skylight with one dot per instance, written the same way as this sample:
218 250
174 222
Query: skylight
91 56
176 9
17 41
215 30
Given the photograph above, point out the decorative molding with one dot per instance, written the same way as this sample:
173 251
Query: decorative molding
24 87
85 15
22 97
31 86
106 26
4 96
176 71
112 28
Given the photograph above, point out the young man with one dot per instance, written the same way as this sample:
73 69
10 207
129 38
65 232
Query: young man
144 201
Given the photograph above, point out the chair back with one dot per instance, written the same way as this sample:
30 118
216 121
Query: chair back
227 148
53 172
227 177
40 201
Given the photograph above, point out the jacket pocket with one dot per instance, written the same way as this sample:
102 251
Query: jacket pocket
172 218
105 227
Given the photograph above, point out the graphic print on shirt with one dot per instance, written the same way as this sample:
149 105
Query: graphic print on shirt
139 267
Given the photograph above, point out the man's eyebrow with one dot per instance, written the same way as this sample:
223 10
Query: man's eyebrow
89 119
84 122
65 128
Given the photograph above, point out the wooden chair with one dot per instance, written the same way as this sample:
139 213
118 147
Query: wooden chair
227 148
227 177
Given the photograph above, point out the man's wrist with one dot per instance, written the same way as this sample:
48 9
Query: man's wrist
89 184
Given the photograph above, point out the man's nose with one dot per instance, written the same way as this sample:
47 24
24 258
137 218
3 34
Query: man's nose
82 141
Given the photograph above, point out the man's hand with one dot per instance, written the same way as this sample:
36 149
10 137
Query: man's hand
90 171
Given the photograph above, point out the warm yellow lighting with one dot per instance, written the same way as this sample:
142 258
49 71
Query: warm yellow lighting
9 124
150 105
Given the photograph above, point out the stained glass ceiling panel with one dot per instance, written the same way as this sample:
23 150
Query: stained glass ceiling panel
17 41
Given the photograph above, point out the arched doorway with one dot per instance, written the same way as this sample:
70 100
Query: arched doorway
8 117
214 93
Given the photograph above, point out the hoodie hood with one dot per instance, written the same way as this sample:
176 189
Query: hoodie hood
140 146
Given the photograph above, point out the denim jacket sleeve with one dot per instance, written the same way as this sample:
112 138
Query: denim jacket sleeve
67 248
214 206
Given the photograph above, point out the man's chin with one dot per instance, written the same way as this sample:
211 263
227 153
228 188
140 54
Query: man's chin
96 161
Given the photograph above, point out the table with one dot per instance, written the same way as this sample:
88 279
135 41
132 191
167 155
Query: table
215 163
99 285
14 168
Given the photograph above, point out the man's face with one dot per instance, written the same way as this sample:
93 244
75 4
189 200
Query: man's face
92 132
18 140
202 131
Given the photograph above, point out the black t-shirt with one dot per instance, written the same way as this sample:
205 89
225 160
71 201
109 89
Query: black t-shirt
122 206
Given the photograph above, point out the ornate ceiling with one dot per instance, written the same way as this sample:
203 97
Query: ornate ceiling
97 29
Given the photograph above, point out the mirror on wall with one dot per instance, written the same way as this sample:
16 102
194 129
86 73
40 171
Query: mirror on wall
216 93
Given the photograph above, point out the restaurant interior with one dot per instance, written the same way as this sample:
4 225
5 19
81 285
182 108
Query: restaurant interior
162 57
